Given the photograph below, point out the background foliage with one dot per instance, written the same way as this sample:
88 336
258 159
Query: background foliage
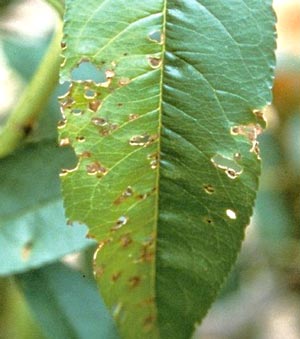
271 252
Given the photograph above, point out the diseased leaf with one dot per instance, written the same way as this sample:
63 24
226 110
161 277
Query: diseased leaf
53 294
33 231
167 152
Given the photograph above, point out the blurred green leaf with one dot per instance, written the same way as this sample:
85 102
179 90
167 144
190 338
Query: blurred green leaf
33 230
66 303
166 144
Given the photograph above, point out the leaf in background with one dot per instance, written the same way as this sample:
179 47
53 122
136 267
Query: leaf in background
166 144
53 295
33 230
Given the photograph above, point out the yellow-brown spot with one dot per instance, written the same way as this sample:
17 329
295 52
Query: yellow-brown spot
116 276
134 281
125 240
94 105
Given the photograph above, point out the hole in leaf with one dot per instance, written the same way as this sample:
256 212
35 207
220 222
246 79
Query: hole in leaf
76 111
251 132
231 168
156 36
90 94
120 223
64 142
231 214
87 71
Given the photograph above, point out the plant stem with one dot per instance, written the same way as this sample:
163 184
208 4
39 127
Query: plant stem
33 99
58 6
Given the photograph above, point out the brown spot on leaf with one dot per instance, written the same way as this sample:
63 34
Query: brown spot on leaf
116 276
99 121
133 116
208 188
231 173
95 168
154 62
125 240
124 81
208 220
109 74
126 194
62 123
94 105
147 254
134 281
80 138
148 323
142 140
85 154
120 223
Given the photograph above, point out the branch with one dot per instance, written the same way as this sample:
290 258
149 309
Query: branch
33 99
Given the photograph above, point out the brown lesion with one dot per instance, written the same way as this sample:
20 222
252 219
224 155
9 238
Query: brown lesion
134 281
208 188
126 240
155 62
148 322
116 276
94 105
128 192
95 168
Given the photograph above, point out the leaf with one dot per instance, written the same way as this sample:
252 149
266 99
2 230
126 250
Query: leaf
56 295
33 230
166 144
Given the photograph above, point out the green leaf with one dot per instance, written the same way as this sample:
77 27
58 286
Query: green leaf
167 154
33 230
57 294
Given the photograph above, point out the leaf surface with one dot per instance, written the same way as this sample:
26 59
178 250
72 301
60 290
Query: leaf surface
33 230
166 142
56 294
